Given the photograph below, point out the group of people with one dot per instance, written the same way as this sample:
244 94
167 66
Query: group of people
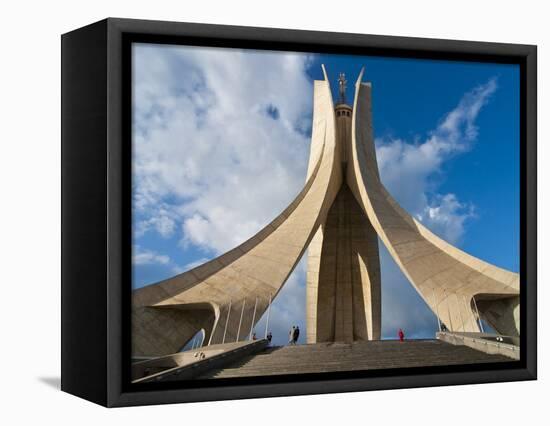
293 335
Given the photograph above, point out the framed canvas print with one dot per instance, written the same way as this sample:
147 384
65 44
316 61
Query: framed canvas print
253 212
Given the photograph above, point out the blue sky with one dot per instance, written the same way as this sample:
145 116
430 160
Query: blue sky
221 141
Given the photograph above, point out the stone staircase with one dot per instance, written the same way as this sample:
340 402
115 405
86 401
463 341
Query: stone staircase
324 357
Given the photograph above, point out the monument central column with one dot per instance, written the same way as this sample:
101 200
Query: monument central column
344 269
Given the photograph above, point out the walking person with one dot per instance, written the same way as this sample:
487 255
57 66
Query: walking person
296 334
291 336
269 337
401 335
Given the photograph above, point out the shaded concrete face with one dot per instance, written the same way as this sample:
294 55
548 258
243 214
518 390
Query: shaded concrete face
501 312
168 328
348 299
339 214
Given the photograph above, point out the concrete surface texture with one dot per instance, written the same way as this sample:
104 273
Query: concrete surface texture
339 214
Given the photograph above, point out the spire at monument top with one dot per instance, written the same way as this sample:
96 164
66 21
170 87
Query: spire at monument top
342 88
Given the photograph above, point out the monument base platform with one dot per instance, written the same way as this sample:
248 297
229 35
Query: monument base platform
484 342
367 355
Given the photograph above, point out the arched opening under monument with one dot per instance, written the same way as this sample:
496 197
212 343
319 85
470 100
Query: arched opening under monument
500 311
402 306
180 324
197 341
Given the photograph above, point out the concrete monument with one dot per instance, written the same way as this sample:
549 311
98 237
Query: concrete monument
339 215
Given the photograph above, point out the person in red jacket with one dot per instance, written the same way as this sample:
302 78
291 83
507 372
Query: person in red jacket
401 335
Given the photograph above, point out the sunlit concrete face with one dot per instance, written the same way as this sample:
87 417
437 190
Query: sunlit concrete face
237 286
449 280
340 213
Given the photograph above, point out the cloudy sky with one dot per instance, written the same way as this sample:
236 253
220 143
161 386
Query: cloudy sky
221 140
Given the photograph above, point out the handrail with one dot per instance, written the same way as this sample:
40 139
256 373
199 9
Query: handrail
241 320
267 319
478 317
226 322
253 318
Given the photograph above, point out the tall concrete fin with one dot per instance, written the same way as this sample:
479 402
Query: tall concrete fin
341 211
447 278
240 282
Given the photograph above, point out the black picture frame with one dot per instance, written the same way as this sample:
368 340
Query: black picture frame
96 225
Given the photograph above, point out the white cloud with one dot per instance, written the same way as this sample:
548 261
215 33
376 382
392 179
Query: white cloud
145 258
446 216
148 257
164 222
407 168
219 141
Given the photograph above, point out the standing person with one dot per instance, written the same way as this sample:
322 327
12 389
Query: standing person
269 337
291 336
401 335
296 334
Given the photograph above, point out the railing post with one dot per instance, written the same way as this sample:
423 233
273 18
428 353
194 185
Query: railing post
226 322
267 319
448 310
240 320
216 320
480 324
436 310
460 312
253 318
